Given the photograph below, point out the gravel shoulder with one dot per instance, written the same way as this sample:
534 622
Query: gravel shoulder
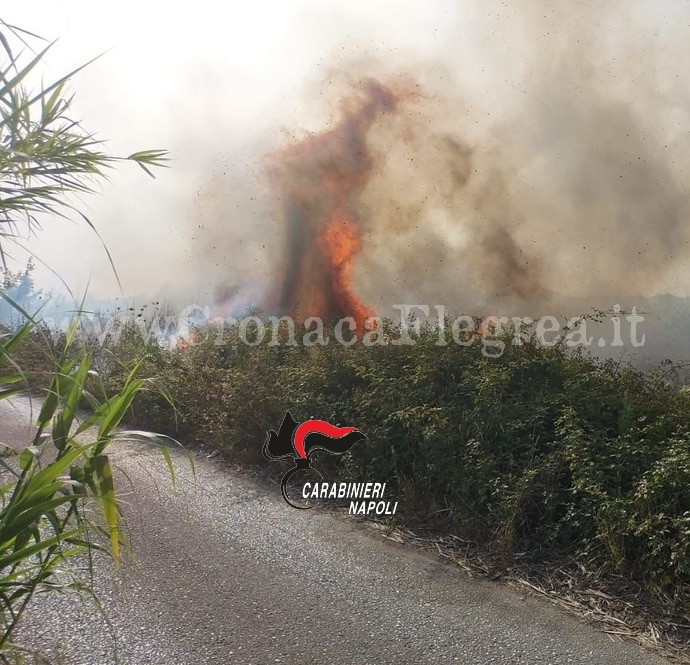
223 571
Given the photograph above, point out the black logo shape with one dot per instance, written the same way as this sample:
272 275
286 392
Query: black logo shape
301 441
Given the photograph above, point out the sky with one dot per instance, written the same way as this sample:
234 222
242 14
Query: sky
220 85
202 83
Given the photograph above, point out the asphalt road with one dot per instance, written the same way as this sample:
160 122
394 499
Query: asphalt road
225 572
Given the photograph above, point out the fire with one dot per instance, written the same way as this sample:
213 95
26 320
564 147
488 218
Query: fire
316 183
340 242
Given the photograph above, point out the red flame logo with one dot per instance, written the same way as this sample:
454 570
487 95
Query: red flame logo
300 441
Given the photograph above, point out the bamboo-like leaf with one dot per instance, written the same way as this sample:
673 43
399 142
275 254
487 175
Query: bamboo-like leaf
168 460
27 457
21 75
4 394
63 423
44 155
56 468
117 412
107 496
9 345
6 46
159 440
96 417
24 519
50 403
27 552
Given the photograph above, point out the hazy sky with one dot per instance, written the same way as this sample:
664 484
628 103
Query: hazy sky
218 83
202 80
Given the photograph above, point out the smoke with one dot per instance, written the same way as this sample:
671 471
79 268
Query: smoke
562 184
576 191
538 163
318 183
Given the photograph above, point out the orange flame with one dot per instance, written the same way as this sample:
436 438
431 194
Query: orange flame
340 242
316 183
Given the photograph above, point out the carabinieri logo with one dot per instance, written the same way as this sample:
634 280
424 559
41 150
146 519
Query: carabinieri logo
301 441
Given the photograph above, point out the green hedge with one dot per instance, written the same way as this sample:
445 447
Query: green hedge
539 450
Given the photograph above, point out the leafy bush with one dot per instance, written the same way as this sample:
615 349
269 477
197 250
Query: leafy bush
540 450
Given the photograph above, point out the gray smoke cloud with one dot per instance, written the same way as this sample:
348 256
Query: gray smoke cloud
574 191
540 166
564 184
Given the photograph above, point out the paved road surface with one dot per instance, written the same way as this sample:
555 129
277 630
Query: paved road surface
226 572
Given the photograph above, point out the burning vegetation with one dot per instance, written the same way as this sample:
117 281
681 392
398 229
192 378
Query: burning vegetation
545 190
316 182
